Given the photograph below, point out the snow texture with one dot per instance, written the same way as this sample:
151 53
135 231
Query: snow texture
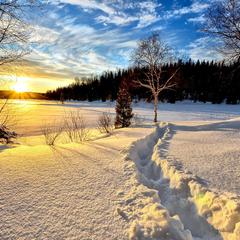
211 151
63 192
162 201
87 191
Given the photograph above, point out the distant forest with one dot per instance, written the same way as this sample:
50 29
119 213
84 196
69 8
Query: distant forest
10 94
198 81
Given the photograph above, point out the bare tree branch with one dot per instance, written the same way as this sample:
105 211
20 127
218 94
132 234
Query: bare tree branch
223 20
15 31
168 84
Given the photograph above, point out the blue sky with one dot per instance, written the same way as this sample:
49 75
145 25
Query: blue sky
84 37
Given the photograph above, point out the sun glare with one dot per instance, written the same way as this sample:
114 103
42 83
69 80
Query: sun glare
20 87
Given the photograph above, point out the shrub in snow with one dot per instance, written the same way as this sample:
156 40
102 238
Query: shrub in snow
6 120
104 123
6 135
75 127
51 133
123 107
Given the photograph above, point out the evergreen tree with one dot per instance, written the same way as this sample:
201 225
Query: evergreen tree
123 107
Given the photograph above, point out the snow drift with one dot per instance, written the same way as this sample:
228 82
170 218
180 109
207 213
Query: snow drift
163 201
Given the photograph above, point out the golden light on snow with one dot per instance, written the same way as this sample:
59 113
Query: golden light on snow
20 86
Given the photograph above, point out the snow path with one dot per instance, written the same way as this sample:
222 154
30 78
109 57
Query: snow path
210 151
162 201
65 192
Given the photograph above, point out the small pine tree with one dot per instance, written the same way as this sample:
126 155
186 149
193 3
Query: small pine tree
123 107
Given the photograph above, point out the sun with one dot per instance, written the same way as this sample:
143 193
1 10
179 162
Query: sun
20 87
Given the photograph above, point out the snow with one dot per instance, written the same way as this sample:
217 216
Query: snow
164 201
64 192
210 151
175 181
30 115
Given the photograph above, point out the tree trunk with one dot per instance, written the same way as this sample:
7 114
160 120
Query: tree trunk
155 107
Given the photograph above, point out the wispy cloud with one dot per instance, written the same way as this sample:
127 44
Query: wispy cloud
203 48
74 49
199 19
89 4
44 35
114 12
195 7
117 19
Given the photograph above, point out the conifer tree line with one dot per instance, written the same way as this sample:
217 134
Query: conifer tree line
203 81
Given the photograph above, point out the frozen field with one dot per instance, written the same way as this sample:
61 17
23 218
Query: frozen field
31 115
134 184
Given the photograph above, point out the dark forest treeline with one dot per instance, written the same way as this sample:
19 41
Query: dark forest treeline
198 81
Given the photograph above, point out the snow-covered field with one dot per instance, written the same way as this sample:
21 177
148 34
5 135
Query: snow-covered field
170 202
133 184
209 150
31 115
64 192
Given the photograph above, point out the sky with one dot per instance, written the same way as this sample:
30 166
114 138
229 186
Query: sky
81 38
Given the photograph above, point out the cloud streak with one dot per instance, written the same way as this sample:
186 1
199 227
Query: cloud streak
203 48
194 8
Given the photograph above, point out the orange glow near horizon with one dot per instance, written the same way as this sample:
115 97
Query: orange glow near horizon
30 77
31 84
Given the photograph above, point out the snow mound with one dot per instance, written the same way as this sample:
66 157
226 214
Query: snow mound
162 201
156 223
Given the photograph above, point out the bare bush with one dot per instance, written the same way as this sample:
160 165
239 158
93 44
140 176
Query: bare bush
6 135
52 132
6 122
75 127
104 123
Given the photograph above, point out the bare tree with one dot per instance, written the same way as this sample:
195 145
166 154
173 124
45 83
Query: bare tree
15 32
223 20
150 56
